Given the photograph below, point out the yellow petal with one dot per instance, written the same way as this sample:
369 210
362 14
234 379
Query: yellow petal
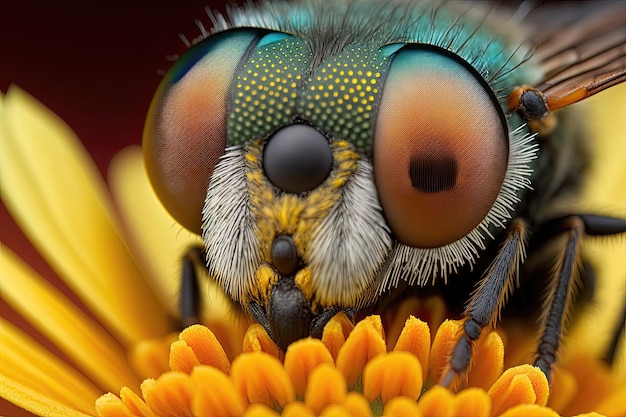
150 358
127 404
182 357
357 405
134 403
436 402
325 386
55 194
436 312
215 394
34 401
230 332
472 402
445 338
56 317
488 361
158 240
398 317
391 375
197 345
301 358
111 405
613 404
529 410
29 364
430 310
336 332
297 409
364 343
563 389
155 237
169 395
593 377
402 407
256 339
261 378
415 338
335 410
519 343
604 192
524 384
260 410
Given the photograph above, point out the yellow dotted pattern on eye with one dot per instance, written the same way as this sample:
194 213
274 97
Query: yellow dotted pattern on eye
341 95
265 90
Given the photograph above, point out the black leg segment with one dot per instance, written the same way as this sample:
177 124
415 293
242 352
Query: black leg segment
487 300
189 301
560 296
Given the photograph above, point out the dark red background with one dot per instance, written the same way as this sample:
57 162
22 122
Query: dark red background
95 64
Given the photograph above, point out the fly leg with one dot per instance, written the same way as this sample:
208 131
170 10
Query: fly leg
488 298
559 297
493 289
189 302
319 322
562 287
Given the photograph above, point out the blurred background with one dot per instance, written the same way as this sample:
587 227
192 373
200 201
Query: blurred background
96 65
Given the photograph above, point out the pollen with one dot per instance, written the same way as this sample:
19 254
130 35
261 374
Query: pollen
350 371
303 279
265 279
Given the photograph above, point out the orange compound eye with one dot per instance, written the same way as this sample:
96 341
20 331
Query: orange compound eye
440 149
185 131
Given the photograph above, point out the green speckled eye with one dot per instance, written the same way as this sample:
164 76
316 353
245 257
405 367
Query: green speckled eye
266 88
440 148
185 132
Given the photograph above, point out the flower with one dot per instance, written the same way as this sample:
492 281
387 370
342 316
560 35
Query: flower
348 372
117 252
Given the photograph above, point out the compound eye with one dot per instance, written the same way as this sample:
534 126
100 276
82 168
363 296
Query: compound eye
440 149
185 131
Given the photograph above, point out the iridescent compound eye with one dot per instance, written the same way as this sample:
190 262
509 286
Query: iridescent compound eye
440 149
185 132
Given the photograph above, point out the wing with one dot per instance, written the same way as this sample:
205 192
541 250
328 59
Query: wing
581 50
